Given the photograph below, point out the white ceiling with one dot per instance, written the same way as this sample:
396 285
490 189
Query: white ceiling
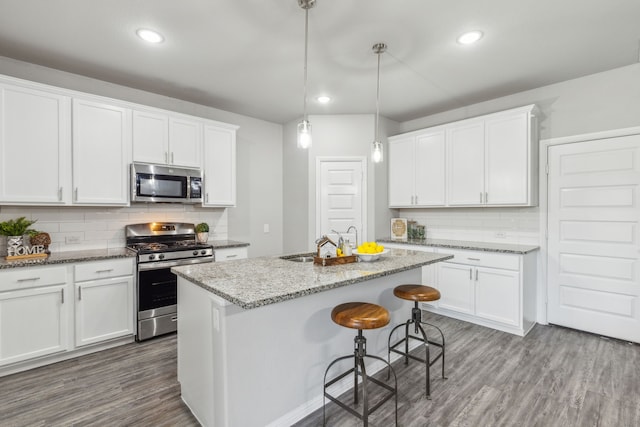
246 56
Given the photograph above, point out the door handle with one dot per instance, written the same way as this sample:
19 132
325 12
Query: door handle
471 274
62 296
476 275
481 197
79 293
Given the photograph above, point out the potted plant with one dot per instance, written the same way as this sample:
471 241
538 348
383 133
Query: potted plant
15 229
202 232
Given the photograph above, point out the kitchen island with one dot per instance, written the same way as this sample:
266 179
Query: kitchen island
256 335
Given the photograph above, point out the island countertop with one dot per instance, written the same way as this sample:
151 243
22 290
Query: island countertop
255 282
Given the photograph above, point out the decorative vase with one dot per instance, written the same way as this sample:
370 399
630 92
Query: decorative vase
202 237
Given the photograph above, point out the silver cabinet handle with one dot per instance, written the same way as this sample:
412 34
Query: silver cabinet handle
486 197
481 197
75 194
474 259
60 194
29 279
79 293
232 256
62 296
471 274
476 275
412 197
174 318
206 197
416 199
104 271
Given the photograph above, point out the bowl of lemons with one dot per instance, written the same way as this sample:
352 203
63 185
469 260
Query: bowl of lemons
370 251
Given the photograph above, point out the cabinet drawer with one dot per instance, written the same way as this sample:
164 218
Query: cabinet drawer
103 269
229 254
483 259
31 277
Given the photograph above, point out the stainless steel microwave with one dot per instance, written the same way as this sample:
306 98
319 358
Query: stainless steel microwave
168 184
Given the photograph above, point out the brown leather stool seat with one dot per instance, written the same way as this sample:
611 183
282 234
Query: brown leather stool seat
418 293
360 315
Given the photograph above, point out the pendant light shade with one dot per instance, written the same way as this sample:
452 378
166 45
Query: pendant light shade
304 127
377 149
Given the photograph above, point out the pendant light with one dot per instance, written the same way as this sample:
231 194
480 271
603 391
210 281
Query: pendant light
377 150
304 127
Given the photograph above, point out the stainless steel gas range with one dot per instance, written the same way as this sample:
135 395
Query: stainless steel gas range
160 246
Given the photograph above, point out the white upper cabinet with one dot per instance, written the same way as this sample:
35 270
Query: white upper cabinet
490 160
101 153
465 155
417 169
161 138
219 165
35 148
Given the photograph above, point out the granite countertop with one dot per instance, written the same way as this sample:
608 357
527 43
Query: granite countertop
255 282
96 255
463 244
69 257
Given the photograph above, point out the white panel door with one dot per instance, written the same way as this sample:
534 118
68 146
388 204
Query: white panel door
594 240
150 137
341 199
219 166
456 286
185 142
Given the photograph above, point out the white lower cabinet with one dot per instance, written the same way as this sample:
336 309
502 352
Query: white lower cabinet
492 289
104 302
37 305
489 288
229 254
35 309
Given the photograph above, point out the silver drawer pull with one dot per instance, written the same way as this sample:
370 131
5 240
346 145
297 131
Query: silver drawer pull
473 259
104 271
232 256
174 319
29 279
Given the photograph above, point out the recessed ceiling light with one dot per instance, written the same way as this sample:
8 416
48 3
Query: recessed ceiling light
149 35
323 99
470 37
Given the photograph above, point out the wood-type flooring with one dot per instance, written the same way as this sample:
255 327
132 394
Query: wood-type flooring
552 377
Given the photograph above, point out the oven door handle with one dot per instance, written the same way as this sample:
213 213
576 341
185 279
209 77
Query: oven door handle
166 282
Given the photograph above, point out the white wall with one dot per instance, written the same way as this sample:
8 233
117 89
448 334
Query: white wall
598 102
295 192
259 177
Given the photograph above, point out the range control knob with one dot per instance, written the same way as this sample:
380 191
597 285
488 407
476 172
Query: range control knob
152 256
161 256
202 252
195 253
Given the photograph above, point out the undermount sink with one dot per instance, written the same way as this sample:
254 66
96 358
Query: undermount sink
308 257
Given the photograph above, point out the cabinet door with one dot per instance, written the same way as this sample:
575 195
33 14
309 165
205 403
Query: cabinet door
498 295
219 166
101 153
455 283
104 310
465 164
507 159
35 148
185 142
150 137
401 173
33 323
430 169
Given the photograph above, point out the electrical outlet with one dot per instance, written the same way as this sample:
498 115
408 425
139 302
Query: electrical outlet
500 235
72 239
266 228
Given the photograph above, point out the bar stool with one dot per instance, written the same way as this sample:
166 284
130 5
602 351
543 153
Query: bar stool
360 315
418 293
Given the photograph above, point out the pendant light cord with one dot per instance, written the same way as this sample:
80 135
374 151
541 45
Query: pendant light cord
378 98
306 48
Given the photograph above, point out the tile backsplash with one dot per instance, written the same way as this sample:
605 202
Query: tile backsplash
499 225
78 228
